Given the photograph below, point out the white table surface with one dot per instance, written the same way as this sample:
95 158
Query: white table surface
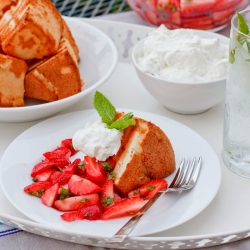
212 118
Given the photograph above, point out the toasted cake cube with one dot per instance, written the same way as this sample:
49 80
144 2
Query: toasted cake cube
145 153
12 73
34 30
56 78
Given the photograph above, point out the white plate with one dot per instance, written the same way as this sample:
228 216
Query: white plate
171 210
99 58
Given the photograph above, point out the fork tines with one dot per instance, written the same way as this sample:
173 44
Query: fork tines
187 172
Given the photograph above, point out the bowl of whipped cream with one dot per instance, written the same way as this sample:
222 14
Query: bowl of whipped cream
184 69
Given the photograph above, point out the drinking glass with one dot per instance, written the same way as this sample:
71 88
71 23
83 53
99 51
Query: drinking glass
236 134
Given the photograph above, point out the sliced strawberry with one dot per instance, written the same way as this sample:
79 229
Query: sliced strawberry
196 8
155 186
44 176
44 165
224 5
60 152
70 169
149 189
81 186
91 212
168 5
175 17
93 170
106 166
63 177
37 188
59 177
80 169
117 197
50 195
65 186
126 207
141 192
67 143
63 192
197 21
223 14
41 167
76 202
72 216
107 194
151 17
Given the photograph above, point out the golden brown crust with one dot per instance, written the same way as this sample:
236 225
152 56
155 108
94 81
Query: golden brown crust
157 153
12 73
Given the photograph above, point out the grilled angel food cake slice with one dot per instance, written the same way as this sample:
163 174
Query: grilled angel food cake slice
145 153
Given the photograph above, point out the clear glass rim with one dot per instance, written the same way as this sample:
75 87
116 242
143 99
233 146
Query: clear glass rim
233 19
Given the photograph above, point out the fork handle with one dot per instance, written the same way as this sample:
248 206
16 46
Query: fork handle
129 226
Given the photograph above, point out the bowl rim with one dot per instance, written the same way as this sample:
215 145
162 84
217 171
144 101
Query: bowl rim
175 82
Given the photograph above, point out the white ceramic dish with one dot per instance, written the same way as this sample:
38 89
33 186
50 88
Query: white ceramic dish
99 58
184 98
170 211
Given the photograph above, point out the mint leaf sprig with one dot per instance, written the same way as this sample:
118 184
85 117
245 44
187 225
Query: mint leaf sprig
107 112
242 25
244 29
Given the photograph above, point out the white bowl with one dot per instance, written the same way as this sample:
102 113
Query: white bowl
99 58
184 98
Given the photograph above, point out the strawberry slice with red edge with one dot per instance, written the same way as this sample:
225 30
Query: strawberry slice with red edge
195 8
155 186
91 212
45 165
37 188
149 189
93 171
80 169
50 195
72 216
81 186
60 152
44 176
70 169
63 177
76 202
117 197
106 166
67 143
59 177
126 207
107 194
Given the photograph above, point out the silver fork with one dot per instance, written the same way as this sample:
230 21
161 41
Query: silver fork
184 179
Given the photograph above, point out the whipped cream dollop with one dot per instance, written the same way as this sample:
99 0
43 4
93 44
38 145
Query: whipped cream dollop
96 140
181 56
